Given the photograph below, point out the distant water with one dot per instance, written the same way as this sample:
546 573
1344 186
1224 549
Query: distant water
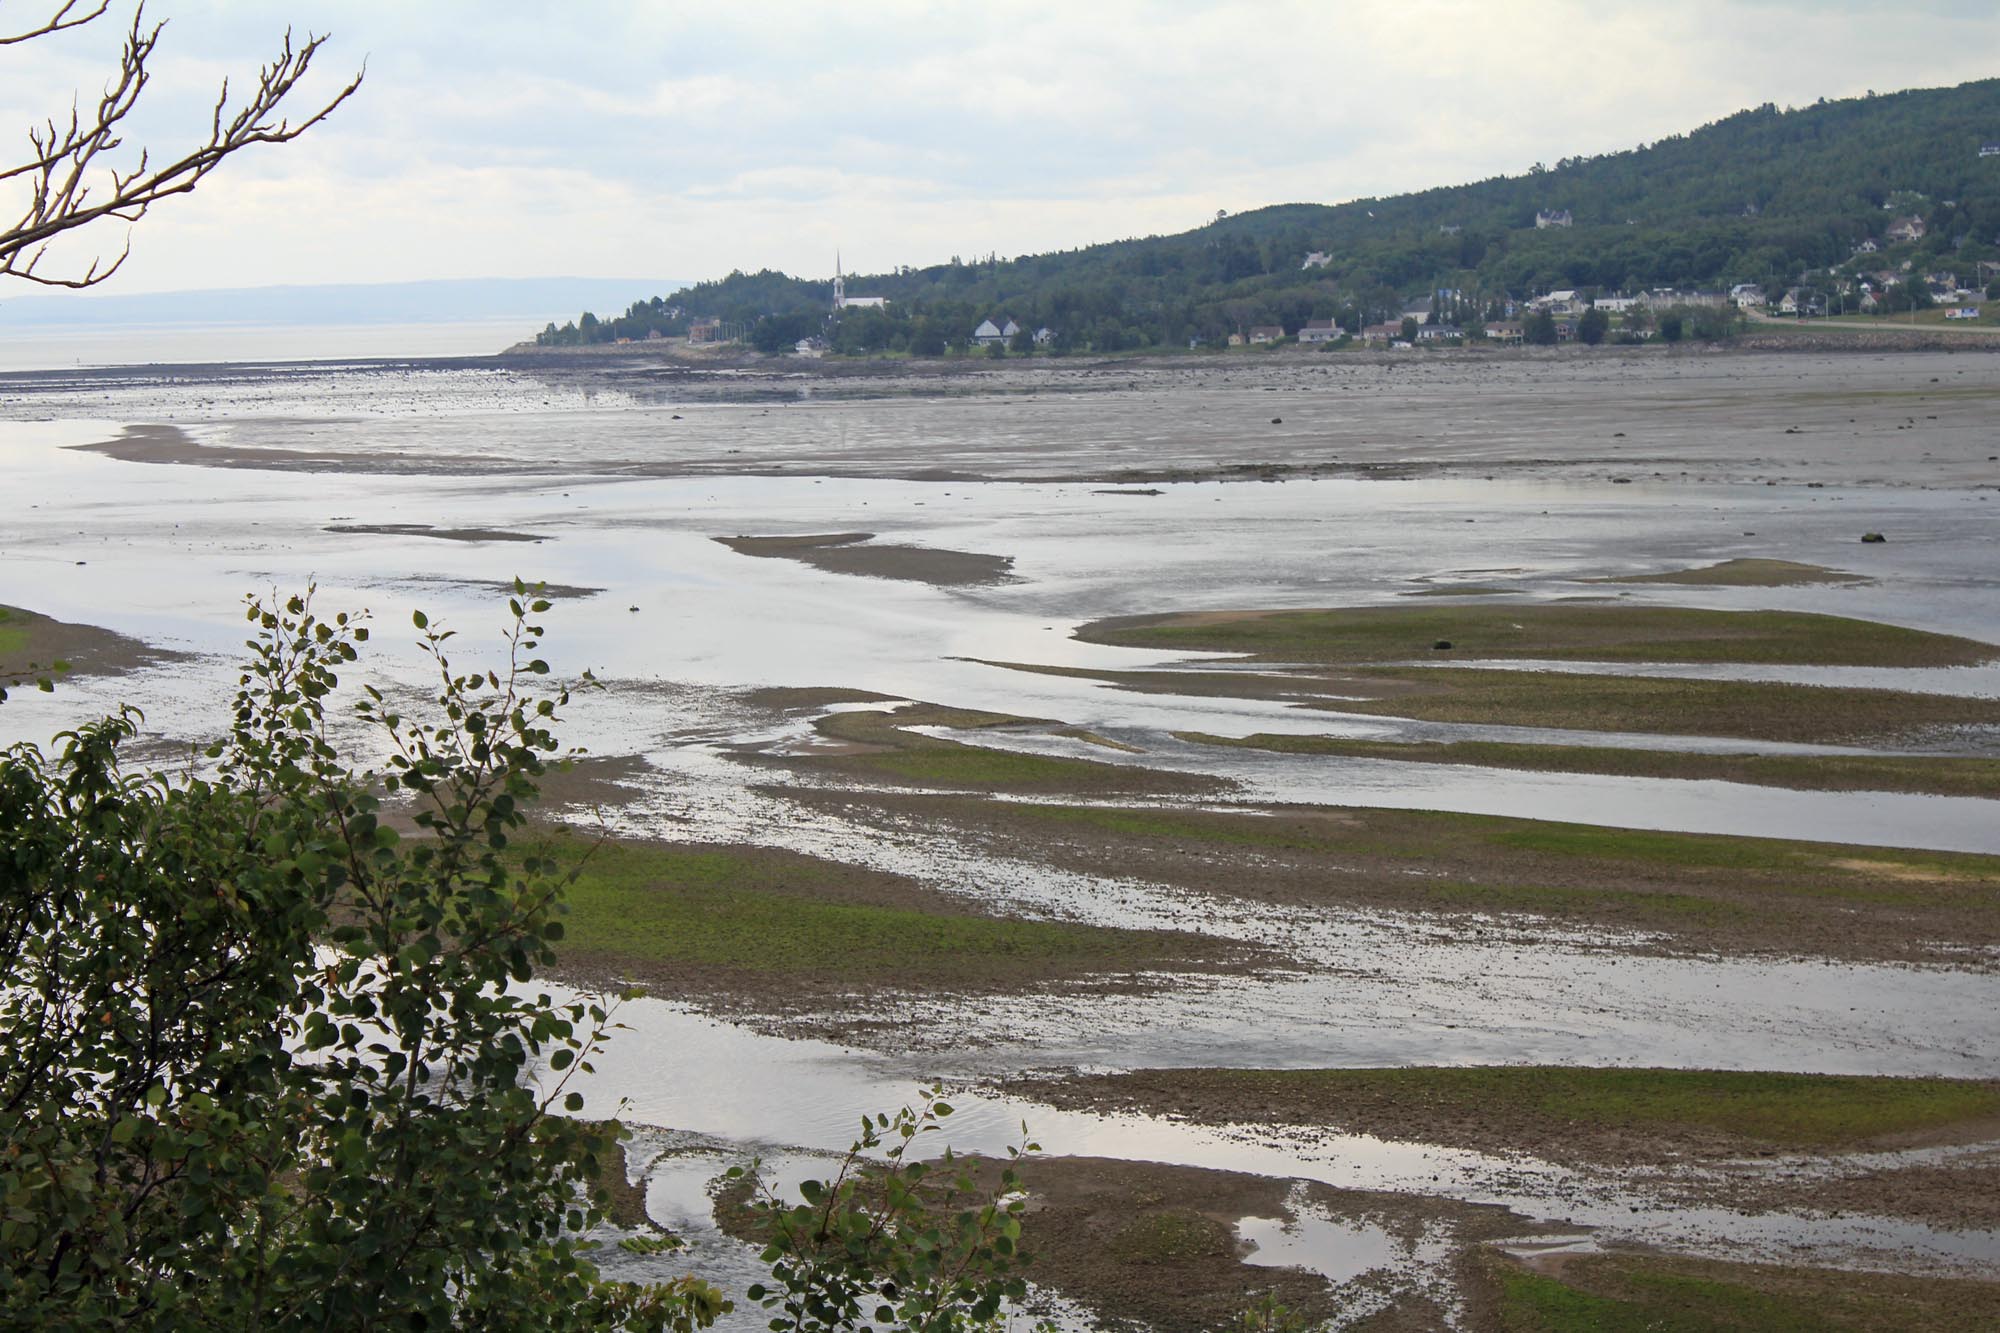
59 347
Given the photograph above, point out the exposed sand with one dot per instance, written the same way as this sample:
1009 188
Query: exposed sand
426 530
857 553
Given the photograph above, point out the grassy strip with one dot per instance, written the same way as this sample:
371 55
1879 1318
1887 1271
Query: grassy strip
1929 774
1442 836
1783 1111
1659 1294
1570 632
1746 573
13 635
1623 1116
1688 892
1751 710
883 746
758 913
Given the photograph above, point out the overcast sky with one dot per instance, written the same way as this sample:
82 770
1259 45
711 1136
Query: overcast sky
687 139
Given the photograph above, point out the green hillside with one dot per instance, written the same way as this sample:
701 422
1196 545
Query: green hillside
1762 196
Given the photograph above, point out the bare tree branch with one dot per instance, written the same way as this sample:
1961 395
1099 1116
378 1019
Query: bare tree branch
65 17
72 179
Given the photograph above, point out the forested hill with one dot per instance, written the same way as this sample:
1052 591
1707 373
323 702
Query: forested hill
1762 196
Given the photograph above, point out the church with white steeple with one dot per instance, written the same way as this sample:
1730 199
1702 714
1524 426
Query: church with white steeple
842 301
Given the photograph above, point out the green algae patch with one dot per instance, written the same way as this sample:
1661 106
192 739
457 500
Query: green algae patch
1744 573
1631 890
1550 631
1622 1293
13 634
1936 775
741 916
1562 1112
1171 1236
1747 710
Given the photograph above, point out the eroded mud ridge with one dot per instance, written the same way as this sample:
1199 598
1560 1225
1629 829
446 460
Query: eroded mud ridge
1428 860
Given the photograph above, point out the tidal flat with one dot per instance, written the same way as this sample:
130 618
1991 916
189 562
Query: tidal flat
1701 796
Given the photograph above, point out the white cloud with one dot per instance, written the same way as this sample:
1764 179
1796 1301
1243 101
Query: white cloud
691 139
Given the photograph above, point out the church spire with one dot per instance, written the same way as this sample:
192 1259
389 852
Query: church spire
839 284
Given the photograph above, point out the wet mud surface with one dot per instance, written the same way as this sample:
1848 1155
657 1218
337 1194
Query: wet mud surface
858 553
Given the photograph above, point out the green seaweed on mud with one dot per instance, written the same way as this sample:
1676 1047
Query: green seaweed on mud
1621 1293
751 911
1773 1110
1596 632
1751 710
1939 775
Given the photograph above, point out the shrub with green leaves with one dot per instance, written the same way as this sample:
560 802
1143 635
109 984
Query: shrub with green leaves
270 1064
893 1240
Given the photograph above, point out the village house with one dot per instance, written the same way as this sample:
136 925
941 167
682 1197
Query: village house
1317 259
1044 336
1989 150
1868 246
1870 303
1909 228
1440 333
989 333
1564 302
1381 333
1266 333
705 331
1746 294
1616 305
1545 219
1319 331
1511 335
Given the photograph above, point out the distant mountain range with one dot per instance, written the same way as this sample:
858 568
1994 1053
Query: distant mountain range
1765 196
440 301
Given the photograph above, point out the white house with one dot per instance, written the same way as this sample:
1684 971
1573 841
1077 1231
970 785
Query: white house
1319 331
1910 228
988 333
1044 336
1440 333
1266 333
1746 294
1869 245
1615 305
1564 302
1989 150
1317 259
1544 219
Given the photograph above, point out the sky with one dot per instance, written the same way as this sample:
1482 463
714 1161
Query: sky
610 139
